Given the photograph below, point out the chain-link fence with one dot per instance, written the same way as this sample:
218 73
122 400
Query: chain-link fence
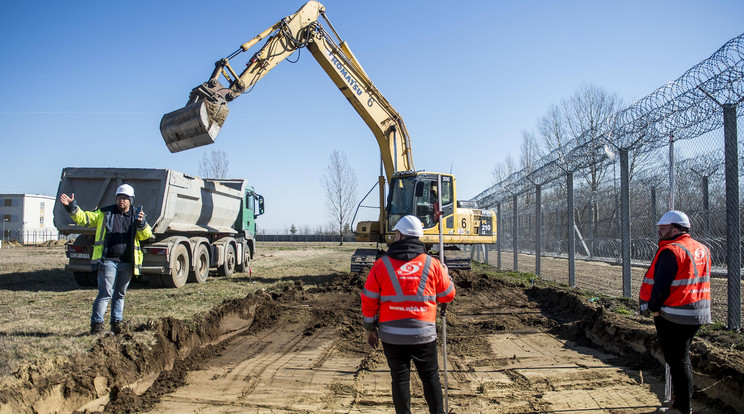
304 239
31 236
598 197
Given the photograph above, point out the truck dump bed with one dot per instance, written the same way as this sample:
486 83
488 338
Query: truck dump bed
174 202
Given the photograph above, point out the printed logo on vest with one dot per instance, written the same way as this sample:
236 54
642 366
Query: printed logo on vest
700 256
408 269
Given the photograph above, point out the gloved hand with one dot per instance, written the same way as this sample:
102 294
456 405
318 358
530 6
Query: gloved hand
646 313
442 309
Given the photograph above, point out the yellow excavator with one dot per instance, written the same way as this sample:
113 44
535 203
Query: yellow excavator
410 191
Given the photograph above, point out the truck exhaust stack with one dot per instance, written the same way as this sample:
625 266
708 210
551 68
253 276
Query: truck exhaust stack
192 126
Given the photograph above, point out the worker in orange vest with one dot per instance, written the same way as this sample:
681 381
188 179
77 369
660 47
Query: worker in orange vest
400 296
676 291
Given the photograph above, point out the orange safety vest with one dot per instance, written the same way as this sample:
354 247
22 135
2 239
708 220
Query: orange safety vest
403 296
689 295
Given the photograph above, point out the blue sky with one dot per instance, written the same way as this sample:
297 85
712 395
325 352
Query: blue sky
86 83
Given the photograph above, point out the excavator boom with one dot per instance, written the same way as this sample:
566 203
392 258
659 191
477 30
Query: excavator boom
199 122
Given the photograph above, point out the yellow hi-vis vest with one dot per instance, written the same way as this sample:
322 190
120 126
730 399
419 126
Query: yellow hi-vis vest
101 220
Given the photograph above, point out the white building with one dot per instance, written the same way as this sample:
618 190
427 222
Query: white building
28 218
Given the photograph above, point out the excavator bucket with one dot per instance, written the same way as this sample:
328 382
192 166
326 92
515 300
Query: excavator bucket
192 126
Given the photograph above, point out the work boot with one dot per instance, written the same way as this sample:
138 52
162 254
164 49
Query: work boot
96 328
117 327
672 410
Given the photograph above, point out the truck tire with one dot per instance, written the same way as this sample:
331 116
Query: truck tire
245 266
86 279
179 268
201 265
228 267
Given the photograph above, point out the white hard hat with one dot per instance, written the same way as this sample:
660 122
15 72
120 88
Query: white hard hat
410 226
126 190
674 217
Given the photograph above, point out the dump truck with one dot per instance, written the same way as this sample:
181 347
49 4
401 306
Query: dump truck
198 224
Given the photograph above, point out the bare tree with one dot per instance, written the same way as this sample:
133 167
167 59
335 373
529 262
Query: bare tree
528 155
552 130
584 115
340 184
587 111
503 169
528 152
214 164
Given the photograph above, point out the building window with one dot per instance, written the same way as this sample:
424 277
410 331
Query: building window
7 218
41 222
8 202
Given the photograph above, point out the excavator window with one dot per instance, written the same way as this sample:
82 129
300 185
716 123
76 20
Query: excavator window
400 199
427 202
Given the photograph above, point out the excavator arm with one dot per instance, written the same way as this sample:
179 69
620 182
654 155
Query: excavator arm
410 191
199 122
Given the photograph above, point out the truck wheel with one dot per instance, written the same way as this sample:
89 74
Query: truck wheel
86 279
179 267
246 265
201 265
228 268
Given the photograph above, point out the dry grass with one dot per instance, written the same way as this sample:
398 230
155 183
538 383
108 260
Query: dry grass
45 315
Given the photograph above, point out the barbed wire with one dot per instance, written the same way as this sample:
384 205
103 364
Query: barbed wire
682 109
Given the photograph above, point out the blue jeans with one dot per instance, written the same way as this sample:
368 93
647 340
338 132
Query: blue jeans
113 281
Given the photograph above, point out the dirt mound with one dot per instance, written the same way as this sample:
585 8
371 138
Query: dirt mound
52 243
121 374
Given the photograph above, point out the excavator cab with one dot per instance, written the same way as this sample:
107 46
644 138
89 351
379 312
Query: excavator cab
418 194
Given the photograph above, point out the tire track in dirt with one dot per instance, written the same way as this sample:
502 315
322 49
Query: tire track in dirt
502 359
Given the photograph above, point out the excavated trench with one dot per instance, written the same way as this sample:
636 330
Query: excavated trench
511 349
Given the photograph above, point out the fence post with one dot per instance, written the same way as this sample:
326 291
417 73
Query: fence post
538 250
654 214
706 205
625 208
498 234
515 232
571 234
733 232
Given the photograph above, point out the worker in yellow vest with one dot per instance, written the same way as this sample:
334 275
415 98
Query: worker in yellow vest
116 251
